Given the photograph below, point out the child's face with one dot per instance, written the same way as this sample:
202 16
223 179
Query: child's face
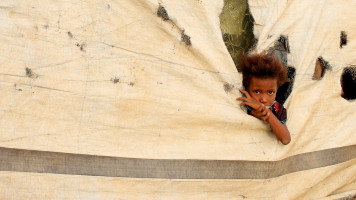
263 90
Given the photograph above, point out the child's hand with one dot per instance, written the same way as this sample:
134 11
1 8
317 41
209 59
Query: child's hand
259 110
248 100
261 113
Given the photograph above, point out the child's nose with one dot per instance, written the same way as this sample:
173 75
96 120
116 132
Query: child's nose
263 99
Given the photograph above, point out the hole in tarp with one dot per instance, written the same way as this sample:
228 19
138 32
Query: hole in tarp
30 73
284 90
162 12
186 39
282 44
343 39
321 66
236 23
279 51
348 83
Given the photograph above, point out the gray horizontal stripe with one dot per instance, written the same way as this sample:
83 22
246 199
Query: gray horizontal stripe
78 164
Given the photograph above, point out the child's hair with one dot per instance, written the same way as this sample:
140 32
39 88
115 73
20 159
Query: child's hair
262 66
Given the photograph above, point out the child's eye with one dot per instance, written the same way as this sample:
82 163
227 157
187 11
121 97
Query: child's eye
256 91
270 92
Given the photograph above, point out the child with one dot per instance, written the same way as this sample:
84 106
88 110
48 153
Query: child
261 77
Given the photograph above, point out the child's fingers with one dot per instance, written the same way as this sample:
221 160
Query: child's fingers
265 117
256 114
245 93
246 103
242 99
251 104
261 108
259 115
265 111
243 103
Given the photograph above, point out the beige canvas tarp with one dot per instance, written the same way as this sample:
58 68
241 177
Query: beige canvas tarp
105 100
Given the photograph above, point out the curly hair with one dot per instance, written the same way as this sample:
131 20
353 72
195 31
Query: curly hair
262 66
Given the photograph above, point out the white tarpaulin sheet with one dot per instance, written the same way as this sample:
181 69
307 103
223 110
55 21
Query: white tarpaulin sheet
111 79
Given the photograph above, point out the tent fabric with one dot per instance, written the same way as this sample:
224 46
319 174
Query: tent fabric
114 79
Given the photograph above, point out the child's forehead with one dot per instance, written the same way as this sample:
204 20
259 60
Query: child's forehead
263 82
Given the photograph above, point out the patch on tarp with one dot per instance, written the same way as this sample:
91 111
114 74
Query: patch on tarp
321 65
20 160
